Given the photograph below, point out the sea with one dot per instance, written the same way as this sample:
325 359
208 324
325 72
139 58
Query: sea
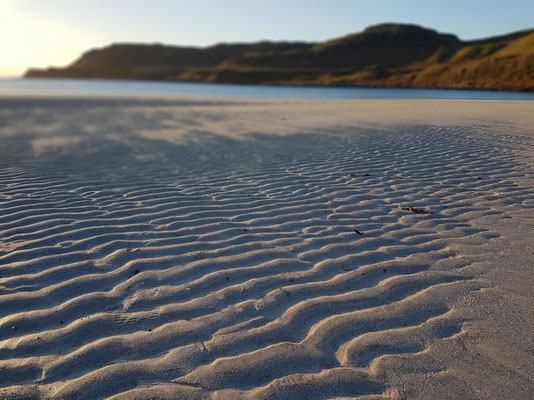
97 87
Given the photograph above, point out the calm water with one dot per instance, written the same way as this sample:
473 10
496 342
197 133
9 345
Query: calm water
149 88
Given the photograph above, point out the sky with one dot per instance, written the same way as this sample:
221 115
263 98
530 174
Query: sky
42 33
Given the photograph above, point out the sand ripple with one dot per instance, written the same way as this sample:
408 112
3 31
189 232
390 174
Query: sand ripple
285 278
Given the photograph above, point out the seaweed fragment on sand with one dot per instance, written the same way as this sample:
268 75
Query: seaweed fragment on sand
424 211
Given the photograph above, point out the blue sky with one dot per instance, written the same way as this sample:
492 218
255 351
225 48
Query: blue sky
41 33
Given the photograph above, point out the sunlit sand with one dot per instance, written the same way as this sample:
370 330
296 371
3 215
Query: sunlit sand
288 249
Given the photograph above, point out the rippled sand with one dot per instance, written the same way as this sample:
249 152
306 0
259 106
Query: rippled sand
373 249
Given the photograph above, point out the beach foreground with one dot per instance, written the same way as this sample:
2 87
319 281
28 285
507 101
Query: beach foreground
280 249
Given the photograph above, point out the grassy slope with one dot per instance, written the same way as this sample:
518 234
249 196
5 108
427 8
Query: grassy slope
386 55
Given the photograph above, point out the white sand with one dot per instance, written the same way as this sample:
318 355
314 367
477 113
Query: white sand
192 249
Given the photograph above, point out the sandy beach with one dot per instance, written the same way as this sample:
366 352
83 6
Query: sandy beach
266 249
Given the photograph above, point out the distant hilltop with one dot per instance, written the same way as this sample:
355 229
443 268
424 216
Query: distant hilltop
387 55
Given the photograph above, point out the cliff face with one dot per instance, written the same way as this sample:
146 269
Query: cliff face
389 55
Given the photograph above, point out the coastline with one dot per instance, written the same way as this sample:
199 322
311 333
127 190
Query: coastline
158 89
294 85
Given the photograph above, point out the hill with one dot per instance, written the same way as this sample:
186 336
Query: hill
387 55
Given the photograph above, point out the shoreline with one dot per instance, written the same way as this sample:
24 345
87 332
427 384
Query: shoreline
234 90
288 85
